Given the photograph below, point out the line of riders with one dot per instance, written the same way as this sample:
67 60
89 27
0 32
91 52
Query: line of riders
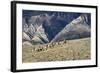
50 45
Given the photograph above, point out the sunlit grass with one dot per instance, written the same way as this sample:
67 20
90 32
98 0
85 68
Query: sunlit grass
78 49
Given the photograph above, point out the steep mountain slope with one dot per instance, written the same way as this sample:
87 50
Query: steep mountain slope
41 33
25 37
78 28
24 25
37 40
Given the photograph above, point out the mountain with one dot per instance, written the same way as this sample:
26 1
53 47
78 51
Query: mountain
37 40
31 31
56 21
41 33
48 26
78 28
32 35
52 22
35 28
24 25
25 37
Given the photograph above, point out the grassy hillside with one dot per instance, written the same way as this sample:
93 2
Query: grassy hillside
78 49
